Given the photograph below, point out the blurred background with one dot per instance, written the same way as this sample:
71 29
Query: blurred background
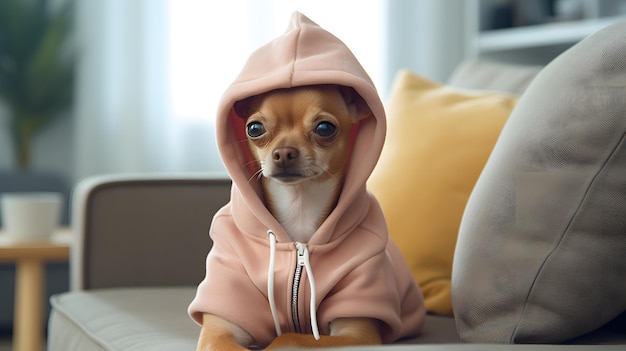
148 73
92 87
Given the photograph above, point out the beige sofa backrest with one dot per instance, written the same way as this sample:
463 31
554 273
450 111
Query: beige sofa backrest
143 231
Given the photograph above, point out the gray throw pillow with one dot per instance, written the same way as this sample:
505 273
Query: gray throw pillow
541 252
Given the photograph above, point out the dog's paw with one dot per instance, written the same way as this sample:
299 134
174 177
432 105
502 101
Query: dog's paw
290 340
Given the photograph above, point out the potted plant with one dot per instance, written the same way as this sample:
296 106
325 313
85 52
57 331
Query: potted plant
36 68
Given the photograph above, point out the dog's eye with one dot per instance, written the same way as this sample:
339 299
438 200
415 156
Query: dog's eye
326 129
255 129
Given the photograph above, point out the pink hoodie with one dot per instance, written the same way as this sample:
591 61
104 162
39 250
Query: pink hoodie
356 270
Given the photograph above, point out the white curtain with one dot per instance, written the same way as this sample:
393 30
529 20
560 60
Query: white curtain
152 71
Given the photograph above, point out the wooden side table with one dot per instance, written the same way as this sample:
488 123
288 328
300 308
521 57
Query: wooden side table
30 259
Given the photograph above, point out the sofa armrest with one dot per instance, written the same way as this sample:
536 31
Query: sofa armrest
142 230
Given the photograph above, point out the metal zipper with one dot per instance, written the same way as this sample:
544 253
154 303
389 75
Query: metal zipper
297 276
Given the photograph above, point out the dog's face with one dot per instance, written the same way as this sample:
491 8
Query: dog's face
302 133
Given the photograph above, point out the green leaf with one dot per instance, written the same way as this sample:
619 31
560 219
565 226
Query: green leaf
37 65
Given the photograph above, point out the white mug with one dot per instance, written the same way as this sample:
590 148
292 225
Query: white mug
30 216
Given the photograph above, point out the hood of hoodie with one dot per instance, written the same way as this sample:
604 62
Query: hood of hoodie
305 54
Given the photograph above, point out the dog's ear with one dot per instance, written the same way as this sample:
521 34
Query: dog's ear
356 104
244 108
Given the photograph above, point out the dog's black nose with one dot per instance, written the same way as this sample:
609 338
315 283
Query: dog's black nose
285 156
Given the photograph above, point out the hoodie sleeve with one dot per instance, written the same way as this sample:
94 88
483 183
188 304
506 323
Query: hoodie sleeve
376 290
227 289
378 283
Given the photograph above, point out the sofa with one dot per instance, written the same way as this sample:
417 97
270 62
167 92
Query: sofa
505 190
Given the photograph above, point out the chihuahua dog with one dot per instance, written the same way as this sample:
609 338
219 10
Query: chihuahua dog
300 138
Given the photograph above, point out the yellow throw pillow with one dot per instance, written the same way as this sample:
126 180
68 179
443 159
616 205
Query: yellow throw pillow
438 141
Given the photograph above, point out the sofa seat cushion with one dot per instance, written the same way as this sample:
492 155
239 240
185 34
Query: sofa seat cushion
123 319
156 319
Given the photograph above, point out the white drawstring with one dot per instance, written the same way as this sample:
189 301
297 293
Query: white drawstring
270 281
303 260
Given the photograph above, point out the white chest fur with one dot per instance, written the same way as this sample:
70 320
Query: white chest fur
301 208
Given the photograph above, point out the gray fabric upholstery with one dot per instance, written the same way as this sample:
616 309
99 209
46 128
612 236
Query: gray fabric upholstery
142 231
156 318
479 74
123 319
541 253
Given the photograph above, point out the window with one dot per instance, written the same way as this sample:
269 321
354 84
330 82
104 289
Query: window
209 42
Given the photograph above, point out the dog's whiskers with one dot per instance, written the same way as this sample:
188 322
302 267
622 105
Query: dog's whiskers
249 163
240 141
324 170
258 175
